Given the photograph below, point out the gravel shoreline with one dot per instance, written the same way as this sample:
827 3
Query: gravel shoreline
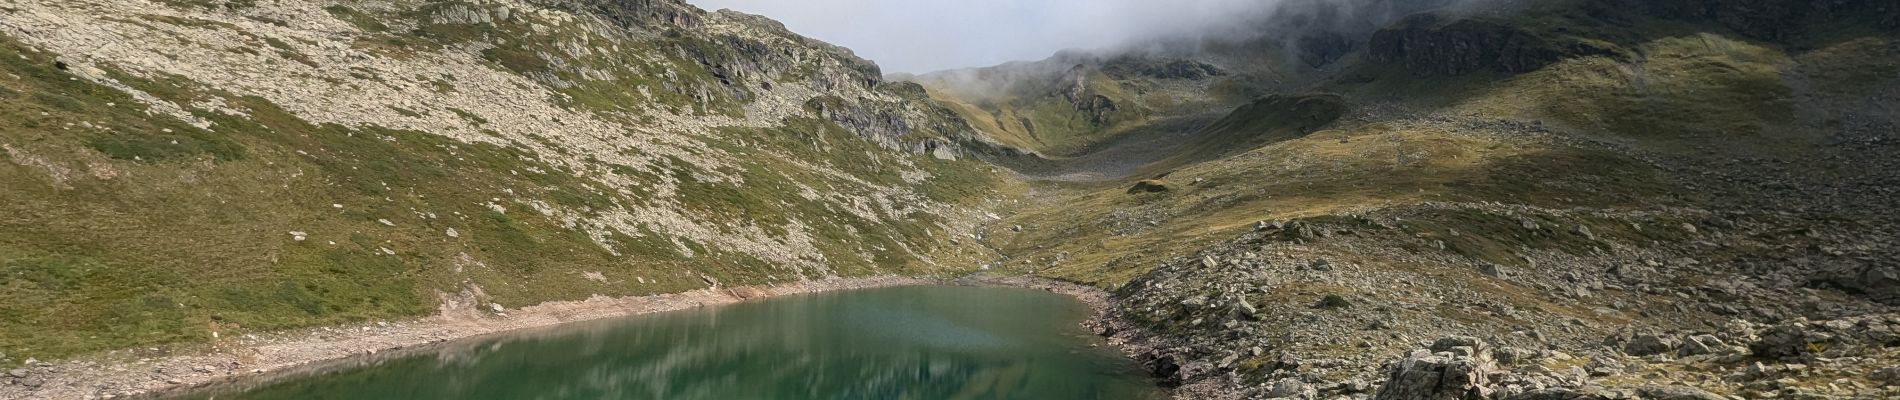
126 374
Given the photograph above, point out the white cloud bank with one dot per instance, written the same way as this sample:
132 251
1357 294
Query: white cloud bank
920 36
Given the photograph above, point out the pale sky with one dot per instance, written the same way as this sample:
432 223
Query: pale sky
919 36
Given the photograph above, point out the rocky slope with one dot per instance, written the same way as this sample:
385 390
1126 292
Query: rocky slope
1587 199
184 171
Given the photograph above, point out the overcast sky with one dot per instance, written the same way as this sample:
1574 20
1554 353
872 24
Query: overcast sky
921 36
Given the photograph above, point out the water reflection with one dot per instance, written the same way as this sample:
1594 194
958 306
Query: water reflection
897 343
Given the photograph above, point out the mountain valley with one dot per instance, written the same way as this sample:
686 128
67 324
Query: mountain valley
1385 199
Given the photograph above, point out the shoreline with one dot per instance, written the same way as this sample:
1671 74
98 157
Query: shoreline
233 359
1150 350
285 353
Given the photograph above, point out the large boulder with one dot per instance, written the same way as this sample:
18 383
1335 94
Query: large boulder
1789 340
1448 343
1877 282
1700 345
1292 388
1164 368
1442 376
1649 345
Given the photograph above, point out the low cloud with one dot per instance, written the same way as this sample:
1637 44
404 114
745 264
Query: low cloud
928 35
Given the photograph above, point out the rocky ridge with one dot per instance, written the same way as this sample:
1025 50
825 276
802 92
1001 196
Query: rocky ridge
317 66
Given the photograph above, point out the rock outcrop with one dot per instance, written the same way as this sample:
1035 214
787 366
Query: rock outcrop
1438 45
1459 370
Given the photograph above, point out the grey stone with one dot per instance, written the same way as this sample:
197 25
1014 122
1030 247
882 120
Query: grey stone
1447 343
1648 345
1228 362
1378 325
1165 370
1511 355
1789 340
1353 386
1492 270
1246 308
1286 361
1890 376
1605 366
1425 376
18 373
1333 301
1291 388
1700 345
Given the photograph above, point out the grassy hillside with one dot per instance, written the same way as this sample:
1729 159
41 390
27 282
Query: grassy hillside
1553 185
1627 114
545 155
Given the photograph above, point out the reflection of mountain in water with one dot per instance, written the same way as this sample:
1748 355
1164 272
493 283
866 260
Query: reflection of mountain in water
903 343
